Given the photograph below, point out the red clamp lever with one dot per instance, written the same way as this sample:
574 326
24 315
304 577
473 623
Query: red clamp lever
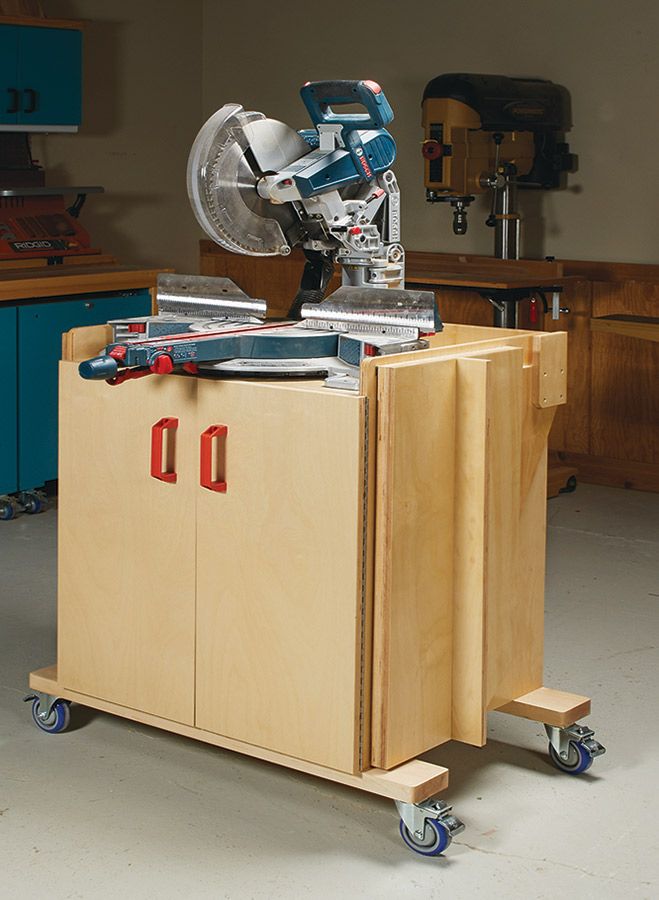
128 375
163 364
533 312
206 459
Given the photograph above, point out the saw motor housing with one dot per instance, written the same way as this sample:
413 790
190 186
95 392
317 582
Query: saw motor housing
481 131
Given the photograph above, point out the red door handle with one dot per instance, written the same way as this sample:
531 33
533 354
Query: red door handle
206 459
157 439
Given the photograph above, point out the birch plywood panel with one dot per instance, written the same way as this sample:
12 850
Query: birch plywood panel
279 584
126 545
516 527
471 461
412 643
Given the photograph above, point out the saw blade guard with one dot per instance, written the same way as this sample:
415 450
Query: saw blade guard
223 172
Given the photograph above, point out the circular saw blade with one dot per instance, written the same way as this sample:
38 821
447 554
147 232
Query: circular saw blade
224 167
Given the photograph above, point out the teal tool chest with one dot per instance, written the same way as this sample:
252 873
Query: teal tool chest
30 350
40 78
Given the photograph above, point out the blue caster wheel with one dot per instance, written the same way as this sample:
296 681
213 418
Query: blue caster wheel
56 720
436 838
32 502
8 509
578 758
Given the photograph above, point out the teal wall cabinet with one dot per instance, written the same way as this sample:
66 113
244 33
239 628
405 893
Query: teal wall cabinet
40 78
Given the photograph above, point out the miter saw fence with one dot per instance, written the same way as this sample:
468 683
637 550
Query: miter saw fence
259 187
209 326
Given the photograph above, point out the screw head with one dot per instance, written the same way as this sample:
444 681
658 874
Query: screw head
418 834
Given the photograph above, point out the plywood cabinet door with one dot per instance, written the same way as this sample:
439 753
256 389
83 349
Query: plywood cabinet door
127 544
279 577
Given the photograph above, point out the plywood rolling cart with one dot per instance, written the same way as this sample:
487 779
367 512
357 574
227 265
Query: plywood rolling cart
333 581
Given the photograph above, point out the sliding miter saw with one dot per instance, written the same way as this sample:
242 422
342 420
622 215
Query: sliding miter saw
260 188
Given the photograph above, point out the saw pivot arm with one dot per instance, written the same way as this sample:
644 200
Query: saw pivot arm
318 270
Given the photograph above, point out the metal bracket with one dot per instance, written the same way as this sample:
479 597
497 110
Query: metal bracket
556 308
46 703
415 816
560 738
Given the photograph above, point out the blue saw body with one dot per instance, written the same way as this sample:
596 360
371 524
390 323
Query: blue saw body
370 153
368 149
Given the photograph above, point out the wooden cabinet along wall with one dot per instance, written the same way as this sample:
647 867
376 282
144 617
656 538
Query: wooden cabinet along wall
609 428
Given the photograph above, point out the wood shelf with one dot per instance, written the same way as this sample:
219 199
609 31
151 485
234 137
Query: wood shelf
59 281
644 327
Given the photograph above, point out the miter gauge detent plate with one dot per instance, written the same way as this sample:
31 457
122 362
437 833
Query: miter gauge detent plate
231 153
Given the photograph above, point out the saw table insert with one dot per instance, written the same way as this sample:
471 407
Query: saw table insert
358 572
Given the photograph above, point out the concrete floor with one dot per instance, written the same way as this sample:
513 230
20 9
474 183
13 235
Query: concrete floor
112 809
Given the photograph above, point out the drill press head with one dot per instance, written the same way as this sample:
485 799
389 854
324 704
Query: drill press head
485 131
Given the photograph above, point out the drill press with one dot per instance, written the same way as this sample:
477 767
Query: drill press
494 134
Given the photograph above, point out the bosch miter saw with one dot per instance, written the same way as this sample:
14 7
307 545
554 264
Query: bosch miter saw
259 187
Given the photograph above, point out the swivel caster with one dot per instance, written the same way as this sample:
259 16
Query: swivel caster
50 714
573 749
429 827
9 508
32 502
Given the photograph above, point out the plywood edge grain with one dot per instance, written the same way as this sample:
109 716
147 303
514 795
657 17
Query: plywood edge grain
551 707
411 782
470 552
382 572
82 343
44 680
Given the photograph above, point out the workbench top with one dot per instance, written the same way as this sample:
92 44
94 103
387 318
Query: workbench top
57 281
483 279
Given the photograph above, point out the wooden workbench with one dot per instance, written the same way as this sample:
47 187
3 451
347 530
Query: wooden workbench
62 280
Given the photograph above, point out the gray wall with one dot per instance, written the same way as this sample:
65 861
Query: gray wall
604 52
155 70
141 111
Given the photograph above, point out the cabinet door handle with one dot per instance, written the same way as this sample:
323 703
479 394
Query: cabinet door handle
14 106
32 100
206 459
157 440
